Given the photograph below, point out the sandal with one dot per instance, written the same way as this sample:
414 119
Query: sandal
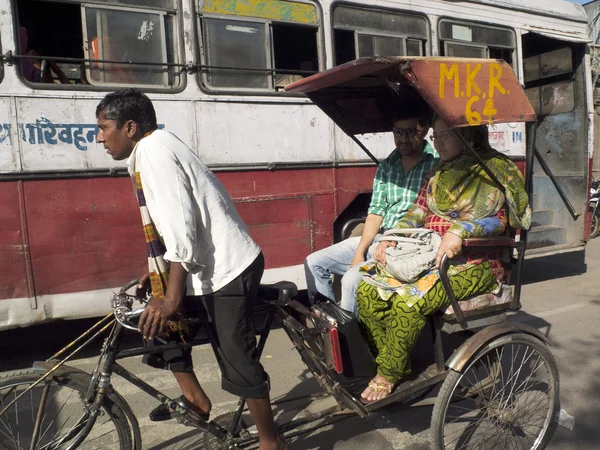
377 387
162 412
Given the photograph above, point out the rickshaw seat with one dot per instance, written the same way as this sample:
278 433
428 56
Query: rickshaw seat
485 309
479 311
281 292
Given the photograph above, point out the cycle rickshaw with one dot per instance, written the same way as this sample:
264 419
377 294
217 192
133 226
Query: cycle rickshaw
499 388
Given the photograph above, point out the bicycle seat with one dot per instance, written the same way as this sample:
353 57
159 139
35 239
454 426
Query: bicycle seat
281 292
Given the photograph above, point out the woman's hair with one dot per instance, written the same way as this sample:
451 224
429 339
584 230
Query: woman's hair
476 136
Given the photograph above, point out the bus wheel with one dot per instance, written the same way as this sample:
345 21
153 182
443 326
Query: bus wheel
507 397
58 401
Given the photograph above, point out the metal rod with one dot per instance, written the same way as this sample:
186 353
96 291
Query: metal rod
55 368
364 149
444 265
574 214
60 352
8 56
438 349
531 133
481 162
157 349
211 427
38 418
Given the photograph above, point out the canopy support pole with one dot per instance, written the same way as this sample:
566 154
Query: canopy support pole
365 149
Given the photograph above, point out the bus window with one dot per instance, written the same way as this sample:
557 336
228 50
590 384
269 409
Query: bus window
117 35
109 34
258 45
549 80
362 32
44 43
467 40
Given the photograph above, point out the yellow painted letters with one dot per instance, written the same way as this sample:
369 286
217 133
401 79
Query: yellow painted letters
449 74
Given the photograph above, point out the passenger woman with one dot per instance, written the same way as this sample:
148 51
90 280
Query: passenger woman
458 201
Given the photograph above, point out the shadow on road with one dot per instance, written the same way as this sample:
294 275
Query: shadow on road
554 267
20 347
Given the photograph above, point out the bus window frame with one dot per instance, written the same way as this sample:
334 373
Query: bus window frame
258 92
358 33
177 38
543 82
86 42
381 9
486 50
442 42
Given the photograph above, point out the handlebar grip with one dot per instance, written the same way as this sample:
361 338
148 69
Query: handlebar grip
128 286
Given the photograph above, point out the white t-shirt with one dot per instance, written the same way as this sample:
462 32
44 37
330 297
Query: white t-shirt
192 212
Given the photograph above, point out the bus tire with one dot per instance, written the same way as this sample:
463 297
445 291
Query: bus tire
63 418
506 388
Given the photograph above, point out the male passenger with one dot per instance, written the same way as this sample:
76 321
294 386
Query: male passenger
395 189
201 257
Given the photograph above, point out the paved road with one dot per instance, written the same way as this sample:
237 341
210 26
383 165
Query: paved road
558 299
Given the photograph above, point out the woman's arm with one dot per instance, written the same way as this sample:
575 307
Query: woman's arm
486 226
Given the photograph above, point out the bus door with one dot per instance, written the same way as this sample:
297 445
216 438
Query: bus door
555 82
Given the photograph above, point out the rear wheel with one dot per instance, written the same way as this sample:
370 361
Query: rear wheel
58 402
507 397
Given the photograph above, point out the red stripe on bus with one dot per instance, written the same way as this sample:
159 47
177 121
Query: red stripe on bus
85 234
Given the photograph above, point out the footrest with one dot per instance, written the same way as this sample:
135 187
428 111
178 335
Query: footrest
281 292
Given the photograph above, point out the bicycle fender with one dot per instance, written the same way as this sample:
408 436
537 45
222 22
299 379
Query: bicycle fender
465 352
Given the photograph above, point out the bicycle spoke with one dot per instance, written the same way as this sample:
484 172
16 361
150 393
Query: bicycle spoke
516 378
60 409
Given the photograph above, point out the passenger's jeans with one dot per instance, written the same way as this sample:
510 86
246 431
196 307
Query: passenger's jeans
336 259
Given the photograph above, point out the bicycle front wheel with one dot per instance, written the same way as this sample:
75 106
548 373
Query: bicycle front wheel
56 405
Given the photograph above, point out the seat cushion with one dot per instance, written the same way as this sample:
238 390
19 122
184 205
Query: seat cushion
483 301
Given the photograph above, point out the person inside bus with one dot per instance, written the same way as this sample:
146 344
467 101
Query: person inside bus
38 71
395 187
458 201
202 260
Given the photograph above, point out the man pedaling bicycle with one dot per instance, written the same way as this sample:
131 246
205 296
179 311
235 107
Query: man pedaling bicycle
202 260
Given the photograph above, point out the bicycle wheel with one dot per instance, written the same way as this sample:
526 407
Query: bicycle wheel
507 397
63 415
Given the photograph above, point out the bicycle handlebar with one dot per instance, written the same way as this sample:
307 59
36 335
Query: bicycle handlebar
128 286
122 305
134 313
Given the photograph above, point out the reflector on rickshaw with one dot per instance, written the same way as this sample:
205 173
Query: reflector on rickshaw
361 95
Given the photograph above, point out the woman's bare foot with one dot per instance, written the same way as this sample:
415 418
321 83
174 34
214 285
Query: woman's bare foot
378 389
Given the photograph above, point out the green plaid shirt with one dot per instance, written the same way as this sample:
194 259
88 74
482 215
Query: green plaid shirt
393 191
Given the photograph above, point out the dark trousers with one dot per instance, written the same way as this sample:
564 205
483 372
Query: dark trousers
228 315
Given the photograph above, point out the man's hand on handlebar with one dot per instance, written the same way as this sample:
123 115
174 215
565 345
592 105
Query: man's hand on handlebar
155 316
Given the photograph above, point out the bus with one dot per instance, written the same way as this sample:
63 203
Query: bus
216 71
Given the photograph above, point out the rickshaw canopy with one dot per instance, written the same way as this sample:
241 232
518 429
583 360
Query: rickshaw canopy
361 96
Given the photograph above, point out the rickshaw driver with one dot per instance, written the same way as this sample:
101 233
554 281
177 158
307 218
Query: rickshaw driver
397 182
201 258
